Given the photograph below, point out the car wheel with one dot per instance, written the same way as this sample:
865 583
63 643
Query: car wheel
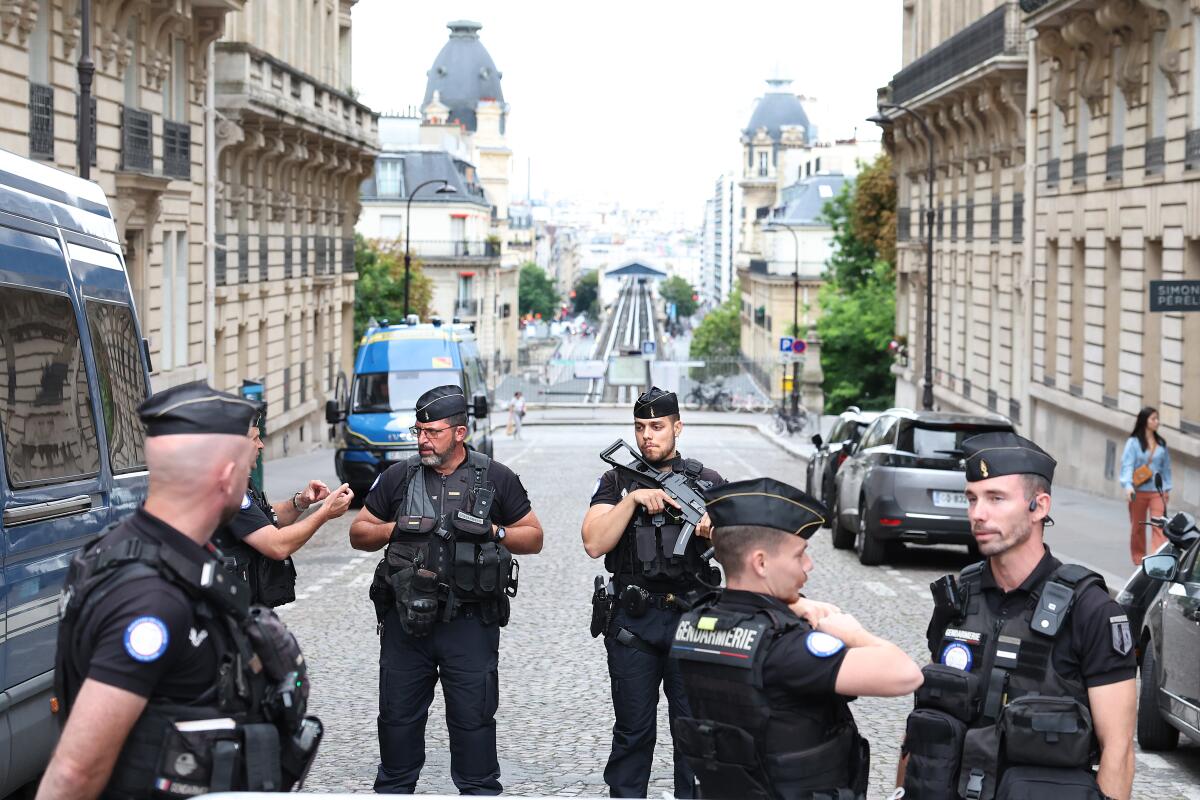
1153 732
843 537
870 549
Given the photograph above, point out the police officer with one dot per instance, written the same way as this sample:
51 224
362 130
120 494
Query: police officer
258 543
151 626
1033 673
649 594
769 674
451 519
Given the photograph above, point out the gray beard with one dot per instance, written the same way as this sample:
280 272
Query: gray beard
433 460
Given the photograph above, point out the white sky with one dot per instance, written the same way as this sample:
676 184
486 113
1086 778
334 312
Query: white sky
639 101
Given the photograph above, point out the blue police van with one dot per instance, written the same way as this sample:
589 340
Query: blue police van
395 365
73 369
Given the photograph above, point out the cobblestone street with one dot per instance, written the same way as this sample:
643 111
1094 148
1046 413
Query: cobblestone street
555 715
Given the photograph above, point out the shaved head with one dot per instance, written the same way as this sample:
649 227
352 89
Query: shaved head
206 472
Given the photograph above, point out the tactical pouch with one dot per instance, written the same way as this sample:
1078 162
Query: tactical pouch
276 581
413 526
645 544
724 759
1047 731
381 593
1038 783
949 689
635 600
977 774
825 769
193 762
299 751
287 698
416 600
933 739
602 607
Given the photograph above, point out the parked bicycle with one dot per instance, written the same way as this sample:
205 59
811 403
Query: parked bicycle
787 422
751 402
714 397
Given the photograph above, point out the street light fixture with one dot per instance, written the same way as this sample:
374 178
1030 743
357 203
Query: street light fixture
446 188
795 312
880 119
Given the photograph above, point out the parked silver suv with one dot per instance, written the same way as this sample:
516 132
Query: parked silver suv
904 482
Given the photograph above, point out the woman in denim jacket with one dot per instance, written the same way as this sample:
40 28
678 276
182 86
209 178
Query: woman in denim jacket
1145 448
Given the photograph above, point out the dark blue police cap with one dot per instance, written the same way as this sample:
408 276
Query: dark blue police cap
767 503
990 455
441 402
197 408
656 403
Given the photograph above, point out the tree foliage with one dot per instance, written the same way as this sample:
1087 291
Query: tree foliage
379 292
719 335
858 300
678 291
587 295
536 293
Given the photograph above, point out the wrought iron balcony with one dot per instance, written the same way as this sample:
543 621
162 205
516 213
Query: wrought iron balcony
996 34
137 140
903 224
1156 155
995 227
348 254
450 249
41 121
177 149
1018 218
1191 153
1114 162
466 307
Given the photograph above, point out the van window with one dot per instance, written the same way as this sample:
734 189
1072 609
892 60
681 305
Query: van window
115 347
45 405
384 392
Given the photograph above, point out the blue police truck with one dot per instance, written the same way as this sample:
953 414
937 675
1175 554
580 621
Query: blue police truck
73 370
395 365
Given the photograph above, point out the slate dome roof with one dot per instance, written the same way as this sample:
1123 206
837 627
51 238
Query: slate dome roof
463 74
776 108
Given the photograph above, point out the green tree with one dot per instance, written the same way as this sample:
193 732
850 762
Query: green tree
379 291
587 295
535 292
718 337
678 291
858 300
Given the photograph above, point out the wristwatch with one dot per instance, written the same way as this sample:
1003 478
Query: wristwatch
500 533
296 505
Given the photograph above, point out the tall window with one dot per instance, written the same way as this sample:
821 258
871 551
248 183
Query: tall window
1051 312
389 177
1116 124
1112 319
1083 118
39 45
175 300
1158 88
762 163
1152 330
1078 295
175 87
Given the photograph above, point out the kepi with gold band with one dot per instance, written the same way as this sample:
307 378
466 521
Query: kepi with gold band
990 455
768 503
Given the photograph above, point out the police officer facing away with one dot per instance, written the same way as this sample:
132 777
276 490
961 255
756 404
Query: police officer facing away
631 528
259 541
1033 673
165 690
451 519
770 675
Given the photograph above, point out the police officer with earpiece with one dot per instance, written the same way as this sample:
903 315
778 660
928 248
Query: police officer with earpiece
258 543
451 519
1033 674
770 674
632 527
171 685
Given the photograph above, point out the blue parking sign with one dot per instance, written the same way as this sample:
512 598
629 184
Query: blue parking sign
785 344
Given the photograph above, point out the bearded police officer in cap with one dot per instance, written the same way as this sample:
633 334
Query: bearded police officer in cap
451 519
171 685
1033 674
635 531
769 674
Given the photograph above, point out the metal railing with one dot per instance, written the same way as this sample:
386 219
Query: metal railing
954 222
903 224
137 140
455 248
1156 150
41 121
970 237
995 229
1114 162
1018 217
348 254
177 149
997 33
466 307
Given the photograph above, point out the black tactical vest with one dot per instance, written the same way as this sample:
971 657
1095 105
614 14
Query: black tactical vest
181 749
443 558
993 700
645 553
272 583
738 742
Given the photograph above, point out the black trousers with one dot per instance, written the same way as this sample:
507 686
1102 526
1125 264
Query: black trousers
635 676
464 654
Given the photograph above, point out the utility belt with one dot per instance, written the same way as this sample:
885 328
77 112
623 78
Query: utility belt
635 600
430 572
961 738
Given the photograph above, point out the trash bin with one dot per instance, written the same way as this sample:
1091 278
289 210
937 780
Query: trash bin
253 390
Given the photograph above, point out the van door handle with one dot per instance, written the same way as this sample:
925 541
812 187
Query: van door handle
37 512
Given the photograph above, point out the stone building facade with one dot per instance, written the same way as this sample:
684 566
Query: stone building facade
1067 131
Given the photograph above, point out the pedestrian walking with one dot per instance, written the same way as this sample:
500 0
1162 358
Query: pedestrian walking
651 588
516 413
1145 456
170 684
451 520
1032 684
770 674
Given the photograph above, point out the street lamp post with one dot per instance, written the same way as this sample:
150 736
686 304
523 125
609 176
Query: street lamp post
927 393
795 314
86 70
446 188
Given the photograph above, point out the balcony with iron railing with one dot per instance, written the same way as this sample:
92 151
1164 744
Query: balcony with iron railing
1156 150
137 140
454 249
466 307
41 121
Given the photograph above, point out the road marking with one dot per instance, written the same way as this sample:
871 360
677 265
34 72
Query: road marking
300 597
745 464
875 587
314 589
1151 761
509 462
324 581
895 572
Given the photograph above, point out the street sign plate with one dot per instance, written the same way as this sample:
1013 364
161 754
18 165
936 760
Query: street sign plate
799 346
785 344
649 347
1175 295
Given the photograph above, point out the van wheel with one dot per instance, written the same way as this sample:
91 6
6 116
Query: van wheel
870 549
843 537
1153 732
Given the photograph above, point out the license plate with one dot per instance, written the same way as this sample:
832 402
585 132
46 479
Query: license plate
950 499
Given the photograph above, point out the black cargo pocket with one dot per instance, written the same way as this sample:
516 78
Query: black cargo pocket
980 755
193 762
645 543
465 575
1047 732
403 554
934 740
489 574
1039 783
949 689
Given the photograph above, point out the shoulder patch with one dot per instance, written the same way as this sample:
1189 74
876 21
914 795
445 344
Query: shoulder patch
375 483
957 655
246 502
1122 637
596 488
823 645
146 639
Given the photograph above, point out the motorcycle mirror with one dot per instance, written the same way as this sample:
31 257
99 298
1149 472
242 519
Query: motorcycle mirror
1181 524
817 440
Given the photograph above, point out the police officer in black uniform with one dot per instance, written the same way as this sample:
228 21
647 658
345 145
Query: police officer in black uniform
624 520
171 685
258 543
1033 674
770 674
451 519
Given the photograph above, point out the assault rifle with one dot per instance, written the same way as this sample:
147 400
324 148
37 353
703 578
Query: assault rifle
631 464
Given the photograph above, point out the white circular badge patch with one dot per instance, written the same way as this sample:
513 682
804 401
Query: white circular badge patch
245 501
146 638
823 645
374 483
957 655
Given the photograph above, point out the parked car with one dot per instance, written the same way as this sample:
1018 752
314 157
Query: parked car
830 454
1169 641
905 482
73 370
